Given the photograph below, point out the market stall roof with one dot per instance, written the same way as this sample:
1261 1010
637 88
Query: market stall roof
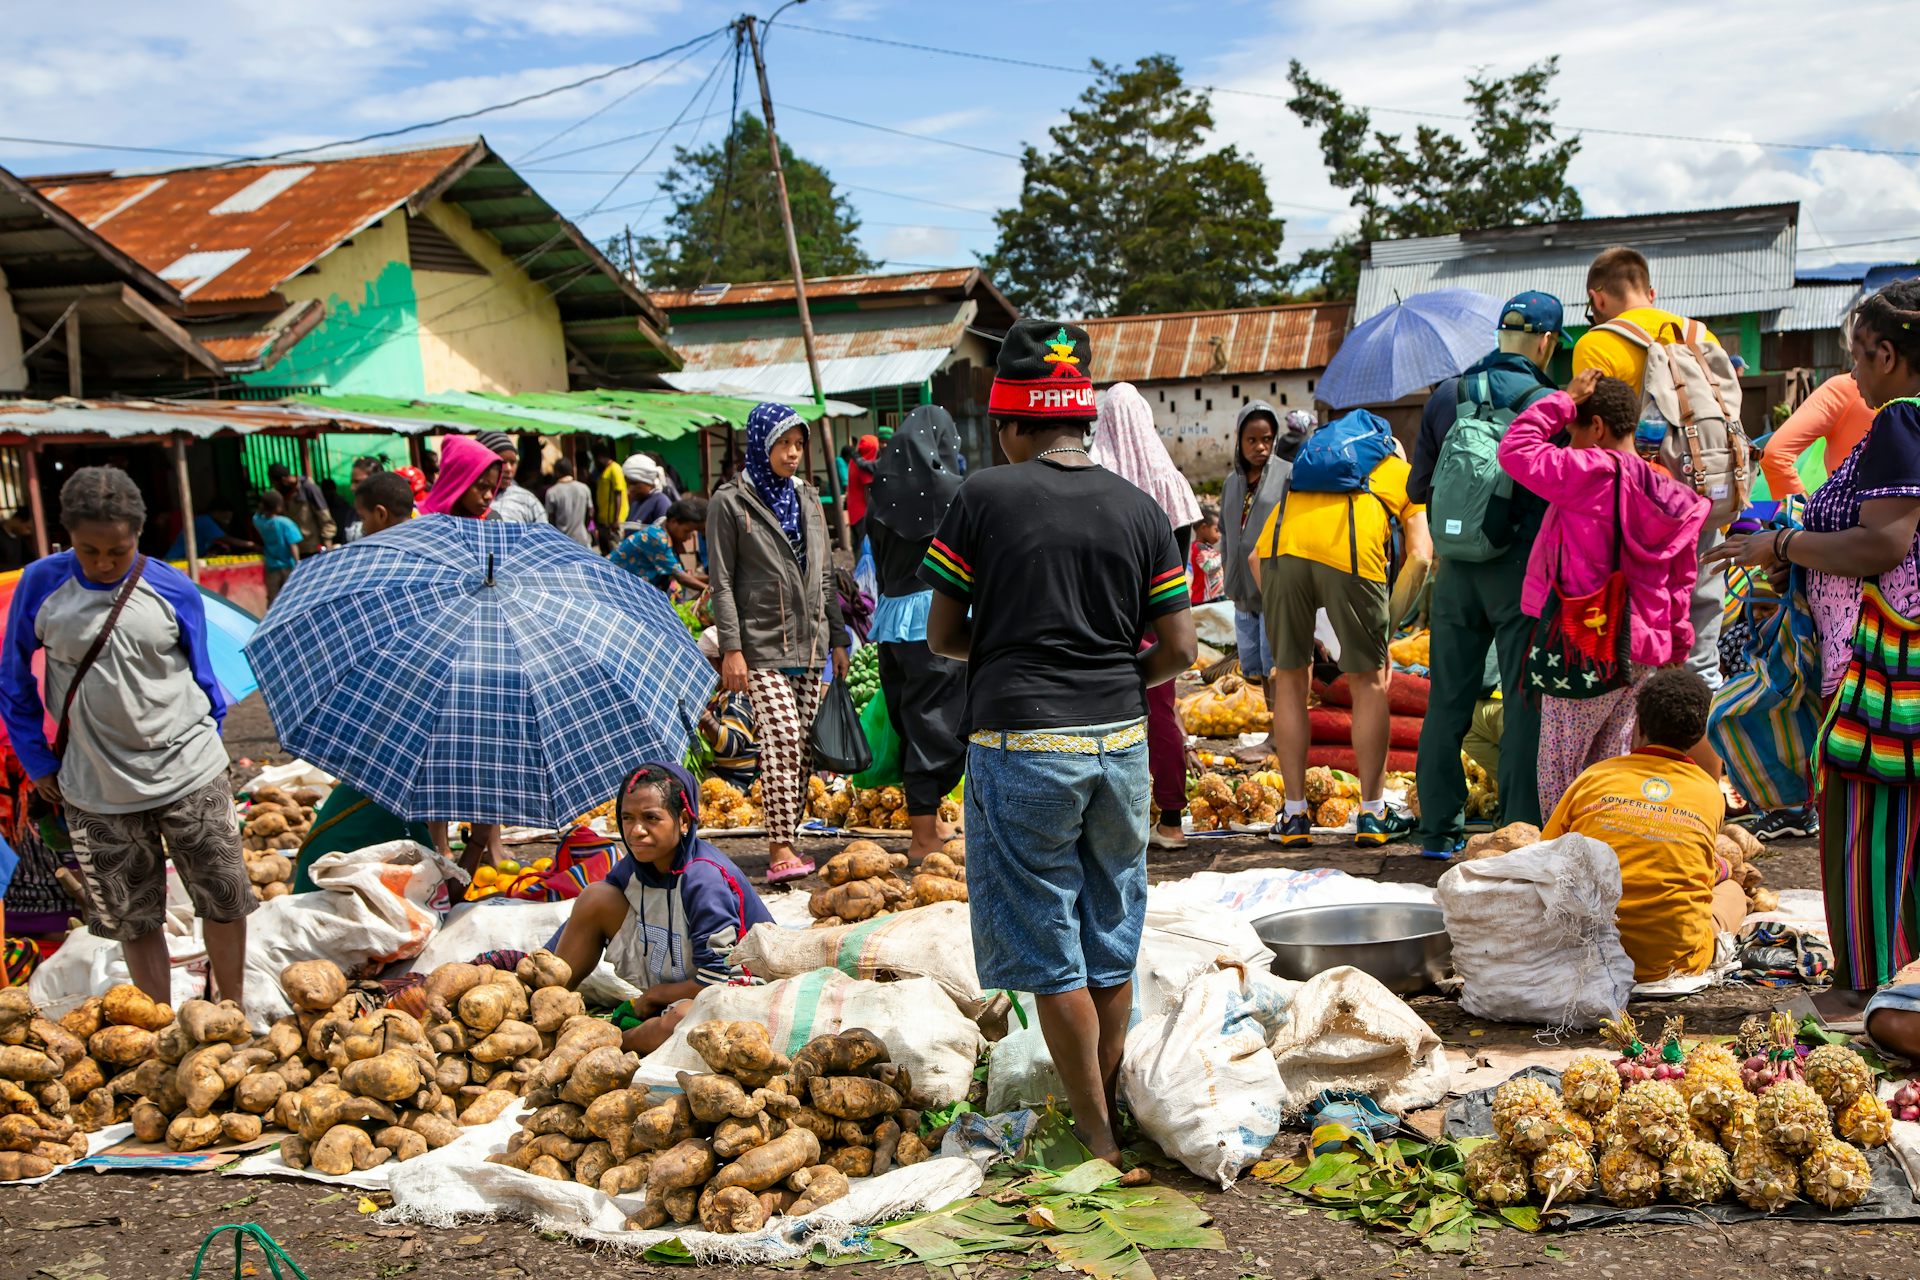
792 380
130 419
656 415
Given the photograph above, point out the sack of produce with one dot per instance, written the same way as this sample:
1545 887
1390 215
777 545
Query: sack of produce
1200 1080
1534 938
1406 694
1347 1031
1225 709
934 942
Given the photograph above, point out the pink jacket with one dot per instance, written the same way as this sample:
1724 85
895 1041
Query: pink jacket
1659 551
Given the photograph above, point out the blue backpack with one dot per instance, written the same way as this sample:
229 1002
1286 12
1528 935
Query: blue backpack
1340 456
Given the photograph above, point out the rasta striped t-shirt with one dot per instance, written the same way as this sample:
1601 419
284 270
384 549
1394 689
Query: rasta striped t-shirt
1064 569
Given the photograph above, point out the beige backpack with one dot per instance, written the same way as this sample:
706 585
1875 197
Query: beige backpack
1691 385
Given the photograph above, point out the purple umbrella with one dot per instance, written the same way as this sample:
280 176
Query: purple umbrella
1412 344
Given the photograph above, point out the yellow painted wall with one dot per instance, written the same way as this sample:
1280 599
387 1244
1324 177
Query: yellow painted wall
367 342
499 332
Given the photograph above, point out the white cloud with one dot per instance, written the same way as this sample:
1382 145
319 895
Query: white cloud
921 244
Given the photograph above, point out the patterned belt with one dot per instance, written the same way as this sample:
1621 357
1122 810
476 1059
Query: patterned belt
1071 744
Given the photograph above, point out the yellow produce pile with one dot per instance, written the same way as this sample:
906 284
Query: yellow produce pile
489 881
879 809
830 806
724 805
275 825
1414 651
1757 1124
1220 804
60 1081
1483 791
863 882
1225 709
754 1137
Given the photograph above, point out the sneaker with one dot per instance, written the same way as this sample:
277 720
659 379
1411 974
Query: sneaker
1293 833
1787 824
1444 853
1371 831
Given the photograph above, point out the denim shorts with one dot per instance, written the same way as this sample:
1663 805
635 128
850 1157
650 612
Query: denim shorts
1056 866
1904 998
1250 636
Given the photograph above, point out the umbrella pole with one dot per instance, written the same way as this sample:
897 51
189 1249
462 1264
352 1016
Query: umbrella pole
186 505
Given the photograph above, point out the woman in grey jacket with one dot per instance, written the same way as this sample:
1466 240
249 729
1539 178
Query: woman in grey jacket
1262 463
777 612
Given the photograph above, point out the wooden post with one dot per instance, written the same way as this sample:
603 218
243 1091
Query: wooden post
36 503
306 456
799 288
186 506
414 449
75 386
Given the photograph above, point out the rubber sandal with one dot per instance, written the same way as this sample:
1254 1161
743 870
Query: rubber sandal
1157 841
799 870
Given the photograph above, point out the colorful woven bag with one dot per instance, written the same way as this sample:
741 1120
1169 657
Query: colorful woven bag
1766 720
1873 726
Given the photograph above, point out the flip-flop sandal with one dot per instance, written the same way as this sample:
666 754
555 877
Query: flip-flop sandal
799 870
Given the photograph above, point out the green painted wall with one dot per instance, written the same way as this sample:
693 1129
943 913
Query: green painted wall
367 343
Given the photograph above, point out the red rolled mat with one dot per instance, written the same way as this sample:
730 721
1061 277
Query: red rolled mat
1333 726
1406 696
1343 758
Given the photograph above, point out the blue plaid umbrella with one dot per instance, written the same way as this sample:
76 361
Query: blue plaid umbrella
1412 344
478 671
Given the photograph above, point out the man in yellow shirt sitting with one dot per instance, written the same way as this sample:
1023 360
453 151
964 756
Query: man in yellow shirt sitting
1330 551
1659 811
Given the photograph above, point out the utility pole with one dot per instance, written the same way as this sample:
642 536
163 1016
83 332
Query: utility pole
799 285
633 264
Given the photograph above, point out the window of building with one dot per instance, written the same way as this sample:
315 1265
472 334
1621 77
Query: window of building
1283 399
1236 391
431 249
1196 393
1273 388
1309 386
1209 406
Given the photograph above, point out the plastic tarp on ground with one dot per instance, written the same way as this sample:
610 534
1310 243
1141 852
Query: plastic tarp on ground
1892 1198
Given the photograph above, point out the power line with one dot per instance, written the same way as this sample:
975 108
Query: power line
602 110
1403 111
106 146
610 142
901 195
882 128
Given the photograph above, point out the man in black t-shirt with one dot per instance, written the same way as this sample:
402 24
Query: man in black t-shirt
1064 566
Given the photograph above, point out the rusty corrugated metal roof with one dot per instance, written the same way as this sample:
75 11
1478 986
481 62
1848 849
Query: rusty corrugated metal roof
167 221
1195 344
741 295
786 348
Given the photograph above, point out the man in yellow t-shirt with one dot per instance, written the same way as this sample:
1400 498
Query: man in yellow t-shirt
1659 811
1620 288
609 497
1329 551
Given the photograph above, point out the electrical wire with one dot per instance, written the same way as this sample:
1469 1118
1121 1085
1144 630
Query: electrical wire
600 111
1404 111
901 195
902 133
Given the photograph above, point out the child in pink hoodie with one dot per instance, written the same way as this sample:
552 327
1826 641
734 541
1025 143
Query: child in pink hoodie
1660 522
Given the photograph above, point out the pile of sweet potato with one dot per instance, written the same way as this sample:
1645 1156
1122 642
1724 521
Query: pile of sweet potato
756 1136
863 881
275 825
60 1081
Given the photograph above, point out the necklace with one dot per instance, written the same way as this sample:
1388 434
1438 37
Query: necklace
1048 453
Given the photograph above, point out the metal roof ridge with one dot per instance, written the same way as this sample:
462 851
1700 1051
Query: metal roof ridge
1218 311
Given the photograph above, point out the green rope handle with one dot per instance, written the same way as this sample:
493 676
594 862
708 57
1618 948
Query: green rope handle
242 1232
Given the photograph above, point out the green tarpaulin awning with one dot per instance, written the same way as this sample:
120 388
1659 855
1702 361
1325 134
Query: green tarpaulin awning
654 415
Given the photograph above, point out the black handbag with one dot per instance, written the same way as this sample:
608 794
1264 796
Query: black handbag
839 743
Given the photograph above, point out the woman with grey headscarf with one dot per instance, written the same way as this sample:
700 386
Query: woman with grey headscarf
1263 450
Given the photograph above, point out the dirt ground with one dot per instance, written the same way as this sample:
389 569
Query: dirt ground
137 1227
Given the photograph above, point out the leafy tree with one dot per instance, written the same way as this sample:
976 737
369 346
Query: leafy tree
725 223
1514 171
1129 212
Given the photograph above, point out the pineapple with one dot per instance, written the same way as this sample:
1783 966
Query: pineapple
1495 1175
1696 1173
1564 1172
1628 1178
1707 1052
1838 1075
1702 1131
1743 1123
1763 1178
1590 1087
1836 1175
1653 1117
1524 1112
1750 1041
1865 1122
1793 1118
1579 1128
1711 1084
1606 1131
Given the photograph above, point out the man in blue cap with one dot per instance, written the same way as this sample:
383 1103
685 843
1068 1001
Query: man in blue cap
1483 527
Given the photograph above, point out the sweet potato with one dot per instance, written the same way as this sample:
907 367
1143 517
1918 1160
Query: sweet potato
548 1167
23 1130
682 1205
296 1072
848 1053
552 1006
818 1185
715 1097
578 1036
199 1079
772 1162
929 889
485 1007
446 984
742 1049
912 1150
285 1038
259 1093
271 868
266 824
507 1040
344 1149
128 1006
404 1143
55 1040
626 1177
83 1076
94 1111
295 1151
732 1138
651 1216
238 1126
850 902
16 1014
687 1166
860 860
84 1018
559 1117
190 1132
592 1163
778 1201
453 1072
313 986
855 1162
244 1062
852 1097
31 1066
602 1071
389 1076
610 1117
488 1107
16 1165
823 1127
660 1127
542 968
939 864
893 1075
956 849
733 1210
203 1021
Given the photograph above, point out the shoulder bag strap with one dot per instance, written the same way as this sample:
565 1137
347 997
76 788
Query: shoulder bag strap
1619 517
93 654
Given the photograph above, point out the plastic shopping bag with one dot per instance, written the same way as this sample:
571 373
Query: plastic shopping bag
878 727
839 744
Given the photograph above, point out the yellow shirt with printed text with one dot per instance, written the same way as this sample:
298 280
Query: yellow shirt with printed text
1313 526
1618 358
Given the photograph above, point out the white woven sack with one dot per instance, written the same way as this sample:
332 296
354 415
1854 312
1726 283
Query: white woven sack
1349 1032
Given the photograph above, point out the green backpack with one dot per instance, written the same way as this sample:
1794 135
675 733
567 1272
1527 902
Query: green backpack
1467 476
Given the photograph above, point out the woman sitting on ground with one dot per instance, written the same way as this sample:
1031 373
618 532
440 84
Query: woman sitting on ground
668 912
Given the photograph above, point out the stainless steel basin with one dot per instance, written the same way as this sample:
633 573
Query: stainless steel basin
1403 944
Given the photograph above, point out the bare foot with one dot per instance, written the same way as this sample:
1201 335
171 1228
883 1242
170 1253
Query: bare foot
1254 754
781 858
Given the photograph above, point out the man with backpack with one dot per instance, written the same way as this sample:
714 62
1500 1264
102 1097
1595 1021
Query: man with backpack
1328 545
1689 412
1483 527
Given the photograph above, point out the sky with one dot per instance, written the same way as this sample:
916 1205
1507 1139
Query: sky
236 77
